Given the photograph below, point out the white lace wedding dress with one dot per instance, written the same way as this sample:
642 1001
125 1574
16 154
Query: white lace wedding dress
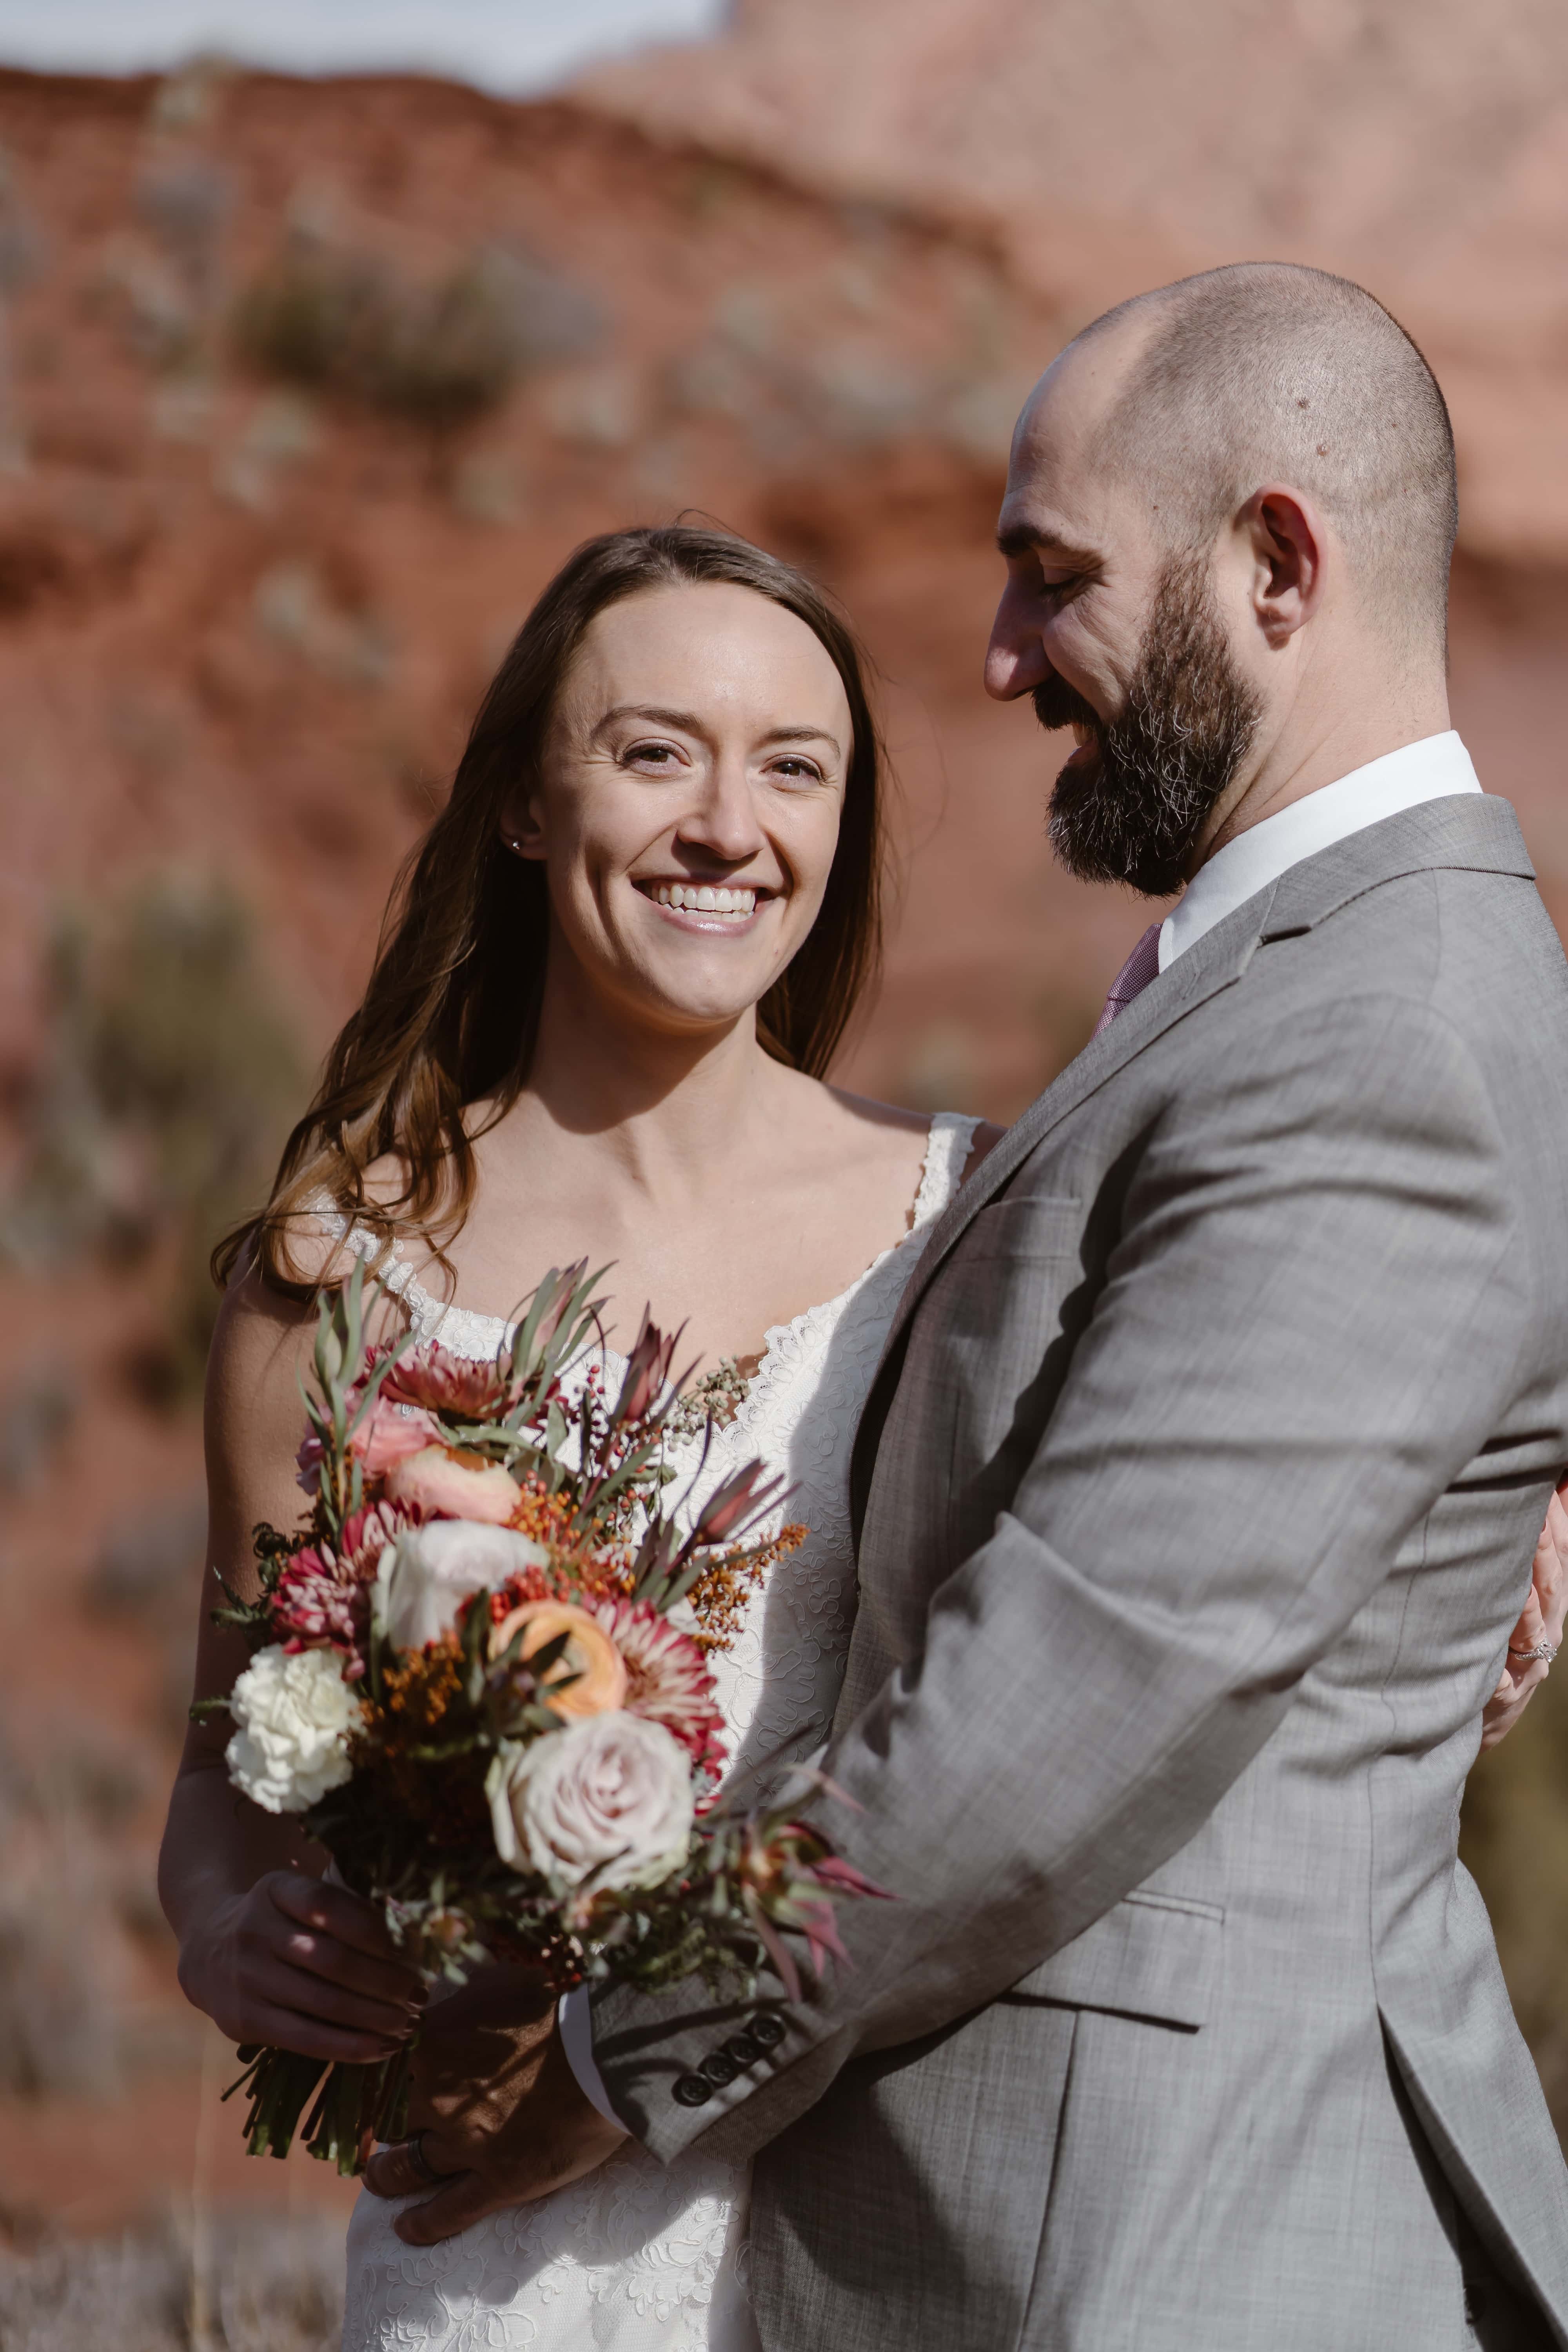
640 2257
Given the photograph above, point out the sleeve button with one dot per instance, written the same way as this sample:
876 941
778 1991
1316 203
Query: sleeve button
744 2049
691 2091
767 2030
720 2068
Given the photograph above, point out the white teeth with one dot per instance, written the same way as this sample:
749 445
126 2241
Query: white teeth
707 899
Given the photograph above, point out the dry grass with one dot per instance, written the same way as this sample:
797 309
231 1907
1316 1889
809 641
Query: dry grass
250 2285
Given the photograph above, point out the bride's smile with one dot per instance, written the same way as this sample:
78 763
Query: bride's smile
706 906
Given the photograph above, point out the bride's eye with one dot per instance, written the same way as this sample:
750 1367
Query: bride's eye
792 770
661 756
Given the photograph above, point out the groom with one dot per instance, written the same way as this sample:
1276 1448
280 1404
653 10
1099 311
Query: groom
1199 1484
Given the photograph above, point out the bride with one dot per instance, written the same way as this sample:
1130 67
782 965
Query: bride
599 1024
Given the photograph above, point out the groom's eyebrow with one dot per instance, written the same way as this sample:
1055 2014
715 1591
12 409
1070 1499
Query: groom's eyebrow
1023 538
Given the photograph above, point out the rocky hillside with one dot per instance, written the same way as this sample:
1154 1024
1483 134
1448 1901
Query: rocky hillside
1419 145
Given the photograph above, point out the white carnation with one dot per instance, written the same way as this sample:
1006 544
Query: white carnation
295 1714
606 1802
422 1578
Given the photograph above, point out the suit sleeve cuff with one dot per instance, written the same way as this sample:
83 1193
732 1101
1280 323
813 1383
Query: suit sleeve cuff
575 2019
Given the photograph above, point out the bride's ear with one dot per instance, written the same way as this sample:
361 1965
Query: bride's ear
517 822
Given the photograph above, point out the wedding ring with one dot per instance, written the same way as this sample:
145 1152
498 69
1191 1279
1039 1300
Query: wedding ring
1541 1650
415 2150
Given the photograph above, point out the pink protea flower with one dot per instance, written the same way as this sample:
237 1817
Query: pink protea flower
322 1598
667 1677
429 1378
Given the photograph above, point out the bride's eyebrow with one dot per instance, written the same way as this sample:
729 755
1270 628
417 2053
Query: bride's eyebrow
690 725
685 720
803 735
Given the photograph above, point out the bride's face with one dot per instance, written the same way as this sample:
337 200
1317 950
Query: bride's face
688 804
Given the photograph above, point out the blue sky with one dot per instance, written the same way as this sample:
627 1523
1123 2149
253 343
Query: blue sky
502 44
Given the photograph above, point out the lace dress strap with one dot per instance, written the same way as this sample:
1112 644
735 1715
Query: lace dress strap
385 1261
951 1141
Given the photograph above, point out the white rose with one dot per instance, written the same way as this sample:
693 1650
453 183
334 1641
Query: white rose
295 1714
606 1802
423 1577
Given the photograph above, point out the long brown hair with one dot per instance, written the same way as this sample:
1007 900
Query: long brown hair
451 1014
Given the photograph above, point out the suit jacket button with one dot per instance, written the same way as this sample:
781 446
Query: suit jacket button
744 2049
720 2069
766 2028
691 2091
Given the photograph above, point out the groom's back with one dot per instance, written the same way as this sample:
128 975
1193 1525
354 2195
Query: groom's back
1259 1336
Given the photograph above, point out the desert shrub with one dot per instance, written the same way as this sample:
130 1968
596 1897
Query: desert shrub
57 2031
151 1564
149 1574
168 1081
64 1807
436 354
34 1415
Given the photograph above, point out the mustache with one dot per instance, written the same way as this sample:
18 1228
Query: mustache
1057 705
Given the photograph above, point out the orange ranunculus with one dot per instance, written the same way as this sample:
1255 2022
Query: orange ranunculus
590 1654
450 1483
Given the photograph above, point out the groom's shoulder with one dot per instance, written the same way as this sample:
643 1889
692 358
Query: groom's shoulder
1474 943
1449 975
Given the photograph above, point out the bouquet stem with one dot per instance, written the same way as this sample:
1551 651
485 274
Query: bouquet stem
355 2105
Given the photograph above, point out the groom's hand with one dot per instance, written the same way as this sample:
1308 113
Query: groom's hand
1541 1623
495 2111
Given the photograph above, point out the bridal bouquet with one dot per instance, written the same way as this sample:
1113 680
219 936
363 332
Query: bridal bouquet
480 1678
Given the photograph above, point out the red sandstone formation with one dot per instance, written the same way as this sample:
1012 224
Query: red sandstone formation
1420 146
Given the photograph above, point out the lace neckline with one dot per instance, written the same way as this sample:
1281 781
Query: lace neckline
466 1332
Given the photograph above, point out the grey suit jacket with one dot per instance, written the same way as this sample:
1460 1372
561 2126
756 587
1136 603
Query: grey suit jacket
1199 1486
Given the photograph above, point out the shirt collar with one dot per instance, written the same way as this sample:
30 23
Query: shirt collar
1427 771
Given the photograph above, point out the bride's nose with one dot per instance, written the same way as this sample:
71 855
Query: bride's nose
722 818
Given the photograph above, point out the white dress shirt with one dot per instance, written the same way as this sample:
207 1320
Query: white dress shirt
1428 771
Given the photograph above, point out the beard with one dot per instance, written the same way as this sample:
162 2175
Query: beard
1133 811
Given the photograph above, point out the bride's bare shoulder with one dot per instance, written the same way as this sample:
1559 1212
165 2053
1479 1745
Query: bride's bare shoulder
897 1123
871 1116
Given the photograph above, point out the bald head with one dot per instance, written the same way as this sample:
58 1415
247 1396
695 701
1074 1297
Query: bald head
1266 372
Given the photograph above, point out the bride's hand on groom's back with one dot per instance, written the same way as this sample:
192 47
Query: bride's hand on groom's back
1540 1622
305 1966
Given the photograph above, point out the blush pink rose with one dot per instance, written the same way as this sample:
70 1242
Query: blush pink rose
447 1482
388 1434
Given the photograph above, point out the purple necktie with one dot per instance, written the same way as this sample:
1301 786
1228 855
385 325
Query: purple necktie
1141 967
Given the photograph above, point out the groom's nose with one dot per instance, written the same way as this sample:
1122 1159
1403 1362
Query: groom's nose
1016 659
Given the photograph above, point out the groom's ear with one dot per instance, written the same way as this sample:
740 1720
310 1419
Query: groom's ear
1288 542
